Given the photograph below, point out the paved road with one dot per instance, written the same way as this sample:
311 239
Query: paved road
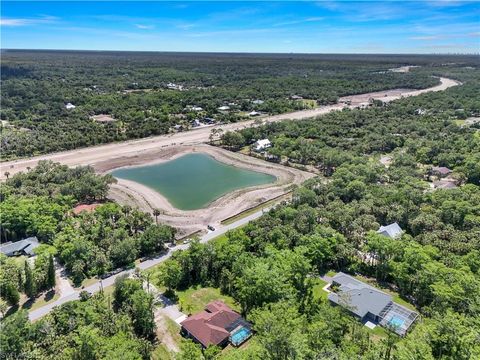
38 313
96 154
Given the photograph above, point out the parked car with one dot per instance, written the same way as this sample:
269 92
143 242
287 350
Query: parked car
211 228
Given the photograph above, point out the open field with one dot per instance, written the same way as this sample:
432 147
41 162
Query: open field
137 148
187 222
194 299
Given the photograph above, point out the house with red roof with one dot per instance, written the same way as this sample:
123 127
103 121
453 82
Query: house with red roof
217 325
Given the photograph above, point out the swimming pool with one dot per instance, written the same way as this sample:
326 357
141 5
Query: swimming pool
240 336
396 322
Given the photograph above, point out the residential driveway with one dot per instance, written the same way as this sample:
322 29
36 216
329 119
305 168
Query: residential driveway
64 285
171 310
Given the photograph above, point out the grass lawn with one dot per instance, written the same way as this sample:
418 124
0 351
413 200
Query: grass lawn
40 301
309 103
378 333
85 282
318 292
194 299
255 209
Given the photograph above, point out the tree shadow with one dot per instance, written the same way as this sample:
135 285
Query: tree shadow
46 297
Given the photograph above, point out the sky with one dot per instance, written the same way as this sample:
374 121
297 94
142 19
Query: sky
446 26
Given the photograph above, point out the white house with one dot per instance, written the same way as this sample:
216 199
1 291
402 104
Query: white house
70 106
262 144
258 102
392 231
224 108
253 113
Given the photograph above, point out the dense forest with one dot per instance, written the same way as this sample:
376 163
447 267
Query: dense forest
272 266
149 93
40 202
95 327
424 127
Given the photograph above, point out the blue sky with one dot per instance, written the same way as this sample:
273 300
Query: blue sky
447 26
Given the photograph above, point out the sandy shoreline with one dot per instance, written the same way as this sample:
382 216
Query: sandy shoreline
188 221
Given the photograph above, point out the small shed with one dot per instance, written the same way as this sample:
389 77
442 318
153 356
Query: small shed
69 106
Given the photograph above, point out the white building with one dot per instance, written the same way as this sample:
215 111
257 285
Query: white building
258 102
254 113
262 144
70 106
392 231
224 108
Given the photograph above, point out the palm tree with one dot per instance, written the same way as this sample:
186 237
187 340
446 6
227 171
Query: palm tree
156 212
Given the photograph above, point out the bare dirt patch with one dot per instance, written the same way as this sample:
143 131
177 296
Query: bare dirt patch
103 118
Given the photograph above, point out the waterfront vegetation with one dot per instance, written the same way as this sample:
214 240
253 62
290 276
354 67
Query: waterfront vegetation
271 266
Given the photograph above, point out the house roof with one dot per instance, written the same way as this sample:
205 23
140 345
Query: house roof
210 326
25 245
263 143
441 170
392 231
359 297
444 184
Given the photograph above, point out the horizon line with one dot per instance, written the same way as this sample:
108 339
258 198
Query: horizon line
243 52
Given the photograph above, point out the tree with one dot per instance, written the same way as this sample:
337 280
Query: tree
10 294
141 310
124 289
189 351
51 279
280 330
7 174
171 274
233 140
154 237
156 213
30 290
13 333
211 352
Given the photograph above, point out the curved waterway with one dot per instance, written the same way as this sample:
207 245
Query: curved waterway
193 181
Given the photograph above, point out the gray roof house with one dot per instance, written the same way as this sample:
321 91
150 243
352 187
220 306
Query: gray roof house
392 231
22 247
370 304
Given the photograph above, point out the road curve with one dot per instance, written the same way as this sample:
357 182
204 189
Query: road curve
94 154
146 264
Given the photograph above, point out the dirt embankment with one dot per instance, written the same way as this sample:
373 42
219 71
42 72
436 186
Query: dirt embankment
187 222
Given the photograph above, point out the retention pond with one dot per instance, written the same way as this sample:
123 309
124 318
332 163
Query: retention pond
193 181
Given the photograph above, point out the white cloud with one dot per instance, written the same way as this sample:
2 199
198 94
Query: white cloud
144 27
27 21
299 21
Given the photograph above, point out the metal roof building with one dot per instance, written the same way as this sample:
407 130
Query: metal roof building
392 231
370 304
22 247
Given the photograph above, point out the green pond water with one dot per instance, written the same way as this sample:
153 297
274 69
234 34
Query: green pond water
194 180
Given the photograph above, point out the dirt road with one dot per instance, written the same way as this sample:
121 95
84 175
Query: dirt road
95 154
